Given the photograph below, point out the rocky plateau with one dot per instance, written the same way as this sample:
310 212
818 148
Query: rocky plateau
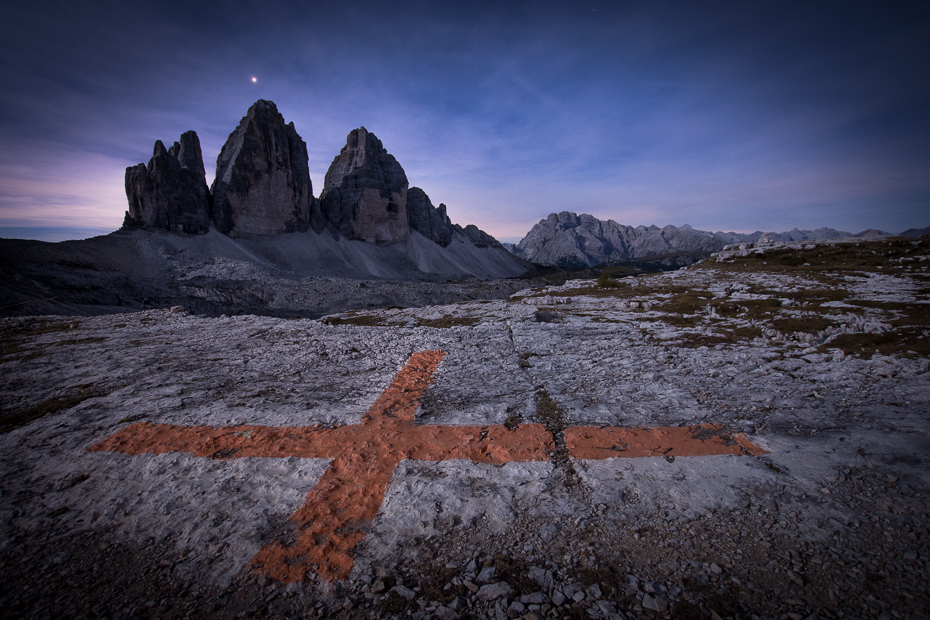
816 352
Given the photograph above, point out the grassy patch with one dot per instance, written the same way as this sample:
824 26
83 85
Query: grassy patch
549 415
606 280
448 321
367 320
515 572
15 336
864 256
13 420
903 342
432 587
807 323
394 603
363 320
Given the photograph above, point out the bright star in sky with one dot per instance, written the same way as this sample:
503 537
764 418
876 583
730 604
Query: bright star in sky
254 79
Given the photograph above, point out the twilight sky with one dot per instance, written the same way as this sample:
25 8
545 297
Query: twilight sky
723 115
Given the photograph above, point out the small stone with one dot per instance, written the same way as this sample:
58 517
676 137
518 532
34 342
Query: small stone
516 608
458 603
405 592
595 591
468 584
650 603
606 607
542 577
532 615
493 591
486 575
558 598
715 569
378 586
444 613
177 309
535 598
578 596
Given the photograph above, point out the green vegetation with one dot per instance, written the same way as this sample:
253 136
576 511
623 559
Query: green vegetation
605 280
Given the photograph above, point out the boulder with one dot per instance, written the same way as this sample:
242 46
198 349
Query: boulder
171 192
262 184
365 191
426 219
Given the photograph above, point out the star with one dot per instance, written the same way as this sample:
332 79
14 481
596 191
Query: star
254 79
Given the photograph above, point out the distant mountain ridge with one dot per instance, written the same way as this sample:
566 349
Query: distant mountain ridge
567 239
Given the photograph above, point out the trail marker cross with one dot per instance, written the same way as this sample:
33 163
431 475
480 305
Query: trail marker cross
338 512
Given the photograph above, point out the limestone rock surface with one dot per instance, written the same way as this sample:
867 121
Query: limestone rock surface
171 192
262 184
365 191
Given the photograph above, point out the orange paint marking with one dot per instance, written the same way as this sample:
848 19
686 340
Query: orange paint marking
338 512
592 442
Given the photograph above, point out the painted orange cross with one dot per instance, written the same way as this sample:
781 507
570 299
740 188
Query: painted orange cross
338 512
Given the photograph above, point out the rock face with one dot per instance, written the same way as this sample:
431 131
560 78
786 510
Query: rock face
476 236
365 191
569 240
263 188
262 184
171 192
426 219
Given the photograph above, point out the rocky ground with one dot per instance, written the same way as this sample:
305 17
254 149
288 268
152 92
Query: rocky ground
818 353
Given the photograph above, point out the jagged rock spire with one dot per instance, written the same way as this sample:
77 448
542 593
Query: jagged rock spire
171 192
262 184
365 191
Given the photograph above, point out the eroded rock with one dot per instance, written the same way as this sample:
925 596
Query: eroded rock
171 192
262 184
429 221
365 191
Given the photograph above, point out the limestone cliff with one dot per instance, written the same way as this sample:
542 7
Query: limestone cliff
262 184
171 192
365 191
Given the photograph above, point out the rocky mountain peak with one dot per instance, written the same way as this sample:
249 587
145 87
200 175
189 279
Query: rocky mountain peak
170 193
570 240
429 221
365 191
262 184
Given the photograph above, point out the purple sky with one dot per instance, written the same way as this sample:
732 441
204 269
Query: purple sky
726 116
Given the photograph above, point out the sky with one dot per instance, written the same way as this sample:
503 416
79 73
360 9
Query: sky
735 116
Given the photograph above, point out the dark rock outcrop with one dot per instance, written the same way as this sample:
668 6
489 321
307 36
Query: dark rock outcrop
262 184
426 219
569 240
171 192
365 191
477 237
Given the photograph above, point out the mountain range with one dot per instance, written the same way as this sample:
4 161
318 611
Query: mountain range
569 240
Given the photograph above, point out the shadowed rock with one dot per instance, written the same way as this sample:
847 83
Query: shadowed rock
365 191
170 193
262 184
476 236
426 219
